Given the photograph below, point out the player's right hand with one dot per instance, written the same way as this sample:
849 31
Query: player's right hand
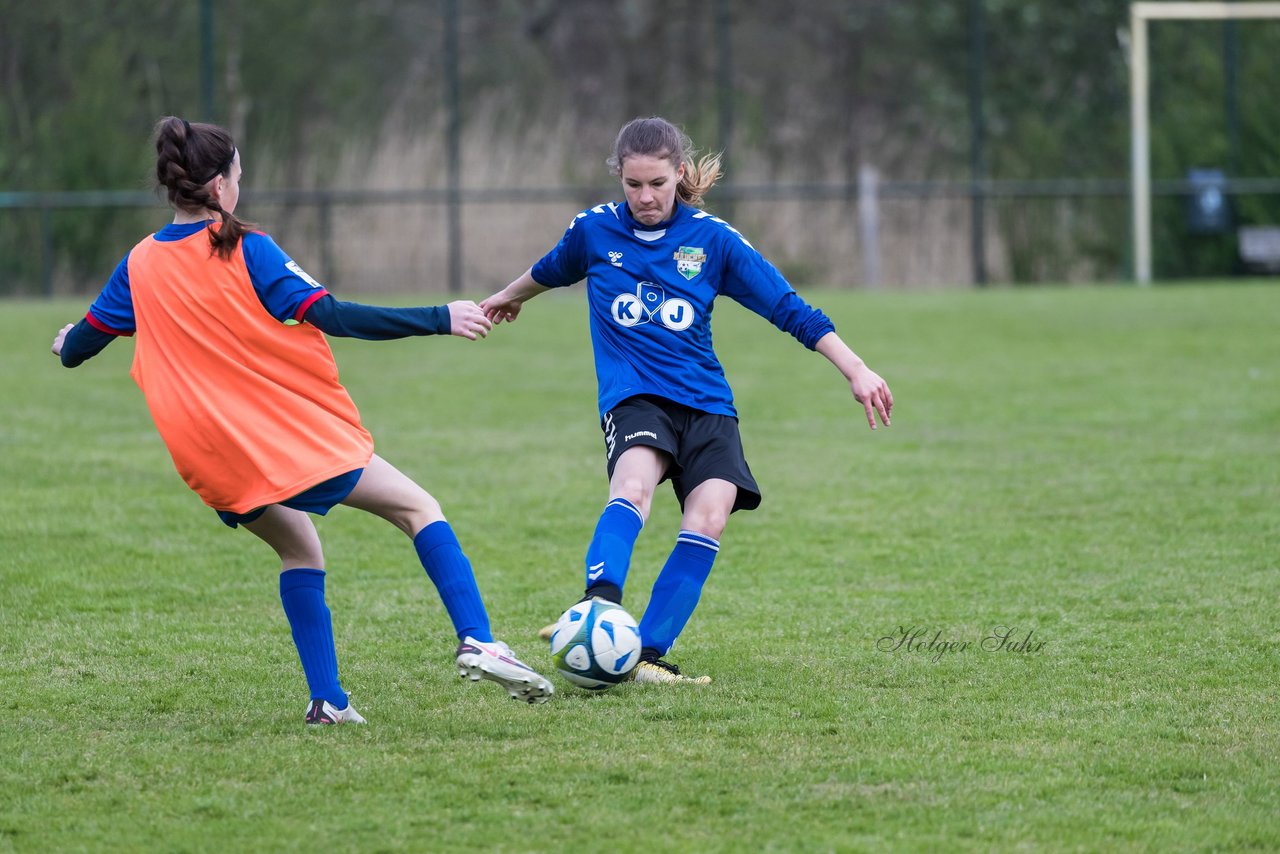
60 338
499 308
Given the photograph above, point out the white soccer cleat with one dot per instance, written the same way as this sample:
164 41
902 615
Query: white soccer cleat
664 673
323 712
496 662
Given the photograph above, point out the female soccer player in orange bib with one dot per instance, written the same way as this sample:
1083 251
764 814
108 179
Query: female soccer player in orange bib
251 410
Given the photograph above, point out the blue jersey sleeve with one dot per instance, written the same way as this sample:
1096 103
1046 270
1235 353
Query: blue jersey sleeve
566 264
755 283
802 321
750 279
112 311
375 322
285 289
83 342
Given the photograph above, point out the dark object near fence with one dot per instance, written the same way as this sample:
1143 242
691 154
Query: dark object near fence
1260 248
1208 208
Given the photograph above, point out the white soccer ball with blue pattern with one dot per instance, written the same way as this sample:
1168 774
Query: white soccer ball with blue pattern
595 644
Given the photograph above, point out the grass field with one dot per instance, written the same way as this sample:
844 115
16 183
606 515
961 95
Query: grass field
1097 467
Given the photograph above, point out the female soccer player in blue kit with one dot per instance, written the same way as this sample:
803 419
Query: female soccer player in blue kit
251 409
654 265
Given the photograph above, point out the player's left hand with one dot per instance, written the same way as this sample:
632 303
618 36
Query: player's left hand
874 395
466 320
60 338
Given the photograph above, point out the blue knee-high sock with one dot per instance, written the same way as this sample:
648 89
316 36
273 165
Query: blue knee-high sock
302 594
676 592
609 555
450 571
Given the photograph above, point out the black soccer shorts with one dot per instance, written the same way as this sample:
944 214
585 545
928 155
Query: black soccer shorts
702 446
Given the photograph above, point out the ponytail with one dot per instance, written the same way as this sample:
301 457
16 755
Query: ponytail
188 157
698 179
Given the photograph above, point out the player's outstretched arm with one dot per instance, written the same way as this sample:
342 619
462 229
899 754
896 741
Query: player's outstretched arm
867 386
384 323
75 343
506 303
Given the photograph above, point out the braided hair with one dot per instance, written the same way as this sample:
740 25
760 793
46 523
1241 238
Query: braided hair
188 156
657 137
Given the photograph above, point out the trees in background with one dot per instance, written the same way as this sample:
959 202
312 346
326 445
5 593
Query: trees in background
817 89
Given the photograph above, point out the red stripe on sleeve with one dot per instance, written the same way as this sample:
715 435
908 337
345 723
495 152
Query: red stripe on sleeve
308 302
102 327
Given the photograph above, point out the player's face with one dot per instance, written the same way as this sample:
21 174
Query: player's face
650 186
226 188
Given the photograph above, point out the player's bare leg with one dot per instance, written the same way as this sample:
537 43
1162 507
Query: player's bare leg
386 492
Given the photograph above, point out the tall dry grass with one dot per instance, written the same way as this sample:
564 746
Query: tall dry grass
404 247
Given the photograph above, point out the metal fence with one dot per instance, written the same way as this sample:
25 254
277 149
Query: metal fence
873 233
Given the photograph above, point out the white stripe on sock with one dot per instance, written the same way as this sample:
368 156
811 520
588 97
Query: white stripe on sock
622 502
695 539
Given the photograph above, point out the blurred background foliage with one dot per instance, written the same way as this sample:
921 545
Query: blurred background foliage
327 95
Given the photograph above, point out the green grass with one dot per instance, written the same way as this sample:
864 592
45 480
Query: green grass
1099 466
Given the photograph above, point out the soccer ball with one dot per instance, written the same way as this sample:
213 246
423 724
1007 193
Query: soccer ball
595 644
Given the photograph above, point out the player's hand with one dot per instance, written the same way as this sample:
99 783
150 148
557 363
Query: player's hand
466 320
874 395
60 338
499 308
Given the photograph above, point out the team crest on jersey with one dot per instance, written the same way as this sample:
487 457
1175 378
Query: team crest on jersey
689 260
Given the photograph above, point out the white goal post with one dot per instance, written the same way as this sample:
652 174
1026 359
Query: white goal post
1139 114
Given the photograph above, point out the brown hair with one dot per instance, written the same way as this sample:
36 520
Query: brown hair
657 137
188 156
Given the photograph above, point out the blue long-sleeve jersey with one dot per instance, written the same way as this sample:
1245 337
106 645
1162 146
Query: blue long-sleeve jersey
651 292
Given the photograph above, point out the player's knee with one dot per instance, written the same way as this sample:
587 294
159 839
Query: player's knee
423 512
635 490
300 557
707 521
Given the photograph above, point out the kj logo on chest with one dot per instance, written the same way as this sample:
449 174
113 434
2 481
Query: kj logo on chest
650 303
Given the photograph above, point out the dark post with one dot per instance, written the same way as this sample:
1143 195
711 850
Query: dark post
206 61
1231 76
454 145
724 92
977 147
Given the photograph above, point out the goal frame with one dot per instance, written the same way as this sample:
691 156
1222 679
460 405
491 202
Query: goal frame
1139 108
